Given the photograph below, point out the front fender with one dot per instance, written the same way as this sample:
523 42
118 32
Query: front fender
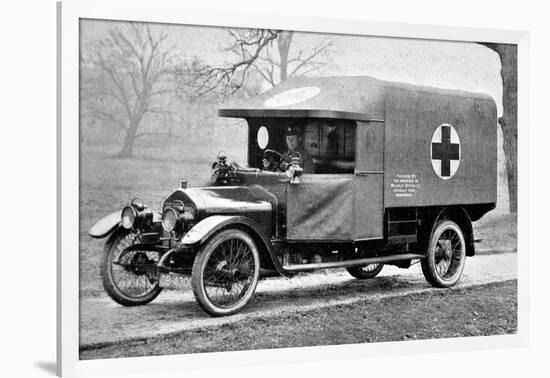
105 225
208 226
203 230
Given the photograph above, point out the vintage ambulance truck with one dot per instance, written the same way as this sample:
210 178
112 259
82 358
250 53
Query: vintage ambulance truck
384 173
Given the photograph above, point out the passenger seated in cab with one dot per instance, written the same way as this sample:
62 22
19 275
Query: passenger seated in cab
331 143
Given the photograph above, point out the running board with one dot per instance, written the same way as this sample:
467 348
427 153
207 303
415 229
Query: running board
349 263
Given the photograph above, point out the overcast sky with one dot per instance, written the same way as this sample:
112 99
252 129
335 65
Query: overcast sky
457 65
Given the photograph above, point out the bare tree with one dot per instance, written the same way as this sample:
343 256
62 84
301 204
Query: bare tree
229 79
132 64
278 68
255 50
508 54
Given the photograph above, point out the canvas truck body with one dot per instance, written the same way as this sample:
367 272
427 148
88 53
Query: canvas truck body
386 173
396 161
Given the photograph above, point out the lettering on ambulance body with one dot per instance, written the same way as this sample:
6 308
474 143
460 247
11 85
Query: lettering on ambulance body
405 185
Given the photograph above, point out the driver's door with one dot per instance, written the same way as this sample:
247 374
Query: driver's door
320 207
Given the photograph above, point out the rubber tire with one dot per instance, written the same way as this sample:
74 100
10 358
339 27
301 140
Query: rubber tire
428 263
107 279
360 274
198 271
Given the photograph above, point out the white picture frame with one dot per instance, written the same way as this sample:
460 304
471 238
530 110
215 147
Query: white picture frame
168 11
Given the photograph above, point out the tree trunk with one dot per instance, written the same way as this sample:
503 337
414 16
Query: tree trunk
129 139
509 121
283 44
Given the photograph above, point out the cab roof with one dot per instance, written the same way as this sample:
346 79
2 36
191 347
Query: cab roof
360 98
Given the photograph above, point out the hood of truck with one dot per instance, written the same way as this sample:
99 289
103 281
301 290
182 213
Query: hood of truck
226 200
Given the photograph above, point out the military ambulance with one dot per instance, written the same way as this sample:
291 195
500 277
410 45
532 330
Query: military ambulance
395 173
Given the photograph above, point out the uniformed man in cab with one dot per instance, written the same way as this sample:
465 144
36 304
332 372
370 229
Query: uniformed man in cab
295 151
294 144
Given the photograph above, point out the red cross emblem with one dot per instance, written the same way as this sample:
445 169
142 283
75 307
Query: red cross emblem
445 151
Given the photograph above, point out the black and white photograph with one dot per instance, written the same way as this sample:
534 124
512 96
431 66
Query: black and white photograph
275 189
256 188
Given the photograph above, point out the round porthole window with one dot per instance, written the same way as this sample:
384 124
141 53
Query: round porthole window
262 137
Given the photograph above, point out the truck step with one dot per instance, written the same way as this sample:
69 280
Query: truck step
350 263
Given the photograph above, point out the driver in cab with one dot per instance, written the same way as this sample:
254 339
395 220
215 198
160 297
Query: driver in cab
293 139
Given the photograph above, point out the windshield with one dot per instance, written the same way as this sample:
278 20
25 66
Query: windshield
326 145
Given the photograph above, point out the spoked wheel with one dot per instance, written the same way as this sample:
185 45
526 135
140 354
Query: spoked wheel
446 255
129 276
225 272
366 271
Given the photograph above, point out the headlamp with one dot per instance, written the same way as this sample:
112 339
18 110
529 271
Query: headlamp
128 217
169 219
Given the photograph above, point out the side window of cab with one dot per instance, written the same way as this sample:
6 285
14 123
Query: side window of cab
331 145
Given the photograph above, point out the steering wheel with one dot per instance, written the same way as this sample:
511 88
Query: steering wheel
275 165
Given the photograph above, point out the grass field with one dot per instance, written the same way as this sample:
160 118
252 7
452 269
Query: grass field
107 184
477 311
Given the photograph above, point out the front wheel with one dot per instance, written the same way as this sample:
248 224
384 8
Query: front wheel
225 272
446 255
128 275
366 271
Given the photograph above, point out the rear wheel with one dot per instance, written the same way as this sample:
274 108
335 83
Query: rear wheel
225 272
366 271
446 255
129 276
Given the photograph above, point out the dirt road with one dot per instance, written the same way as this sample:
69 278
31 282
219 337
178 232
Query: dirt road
104 322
